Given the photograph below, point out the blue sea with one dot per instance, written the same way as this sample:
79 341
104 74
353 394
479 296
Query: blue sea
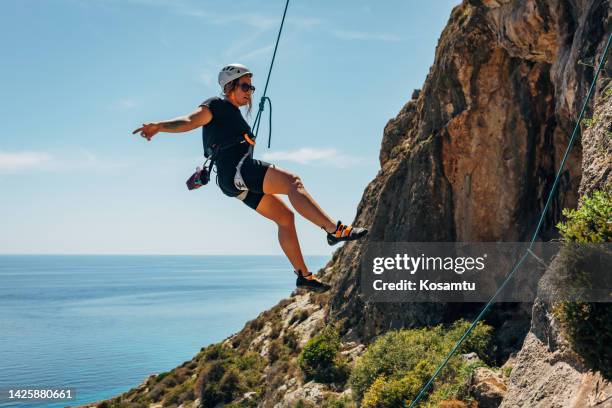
101 324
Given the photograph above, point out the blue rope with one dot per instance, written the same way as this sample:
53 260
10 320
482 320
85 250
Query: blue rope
261 108
535 235
263 99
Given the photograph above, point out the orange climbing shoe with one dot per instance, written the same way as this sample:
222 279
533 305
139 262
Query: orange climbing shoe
345 233
310 282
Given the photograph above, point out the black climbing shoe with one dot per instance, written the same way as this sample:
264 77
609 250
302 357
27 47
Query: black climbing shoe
345 233
310 282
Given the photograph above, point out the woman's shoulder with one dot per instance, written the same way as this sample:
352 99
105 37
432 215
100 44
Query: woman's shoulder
215 100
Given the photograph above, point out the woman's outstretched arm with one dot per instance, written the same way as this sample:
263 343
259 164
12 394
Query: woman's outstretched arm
197 118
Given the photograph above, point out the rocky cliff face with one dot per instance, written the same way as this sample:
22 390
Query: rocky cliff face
471 157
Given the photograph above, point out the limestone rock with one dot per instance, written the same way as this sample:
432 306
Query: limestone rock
247 397
470 358
488 387
597 146
457 404
352 350
311 392
548 374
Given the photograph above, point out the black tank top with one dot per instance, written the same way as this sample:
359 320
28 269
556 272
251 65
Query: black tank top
226 127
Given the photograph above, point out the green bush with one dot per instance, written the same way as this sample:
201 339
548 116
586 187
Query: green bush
290 339
342 402
211 376
231 384
275 350
179 394
216 352
277 327
395 367
588 326
161 376
391 393
299 316
592 222
304 404
320 359
227 374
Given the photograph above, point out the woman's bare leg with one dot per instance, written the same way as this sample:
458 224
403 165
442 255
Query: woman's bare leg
278 181
274 208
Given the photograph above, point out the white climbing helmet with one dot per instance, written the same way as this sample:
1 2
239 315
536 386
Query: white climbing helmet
230 72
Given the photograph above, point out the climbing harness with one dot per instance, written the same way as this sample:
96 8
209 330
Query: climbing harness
535 235
238 180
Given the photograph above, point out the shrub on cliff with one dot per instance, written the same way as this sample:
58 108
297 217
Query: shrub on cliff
226 374
343 401
391 393
320 359
395 367
588 326
592 222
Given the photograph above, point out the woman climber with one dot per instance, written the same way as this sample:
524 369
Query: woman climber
253 181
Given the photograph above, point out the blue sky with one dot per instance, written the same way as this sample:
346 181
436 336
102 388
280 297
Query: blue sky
77 76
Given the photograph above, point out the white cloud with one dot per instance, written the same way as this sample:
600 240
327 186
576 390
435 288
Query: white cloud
253 19
17 161
207 78
267 49
363 35
256 20
304 22
307 155
243 45
123 104
231 17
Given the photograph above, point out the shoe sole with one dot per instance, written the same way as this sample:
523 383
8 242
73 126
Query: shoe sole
314 289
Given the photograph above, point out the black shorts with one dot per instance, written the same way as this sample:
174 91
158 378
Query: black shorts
251 176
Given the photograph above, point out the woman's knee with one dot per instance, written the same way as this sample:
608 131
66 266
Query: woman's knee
275 209
296 183
285 218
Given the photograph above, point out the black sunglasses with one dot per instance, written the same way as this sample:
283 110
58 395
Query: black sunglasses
246 87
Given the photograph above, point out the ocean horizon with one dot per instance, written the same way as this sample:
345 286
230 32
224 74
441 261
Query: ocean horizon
101 324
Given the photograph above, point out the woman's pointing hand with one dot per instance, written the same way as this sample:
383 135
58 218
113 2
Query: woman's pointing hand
148 130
